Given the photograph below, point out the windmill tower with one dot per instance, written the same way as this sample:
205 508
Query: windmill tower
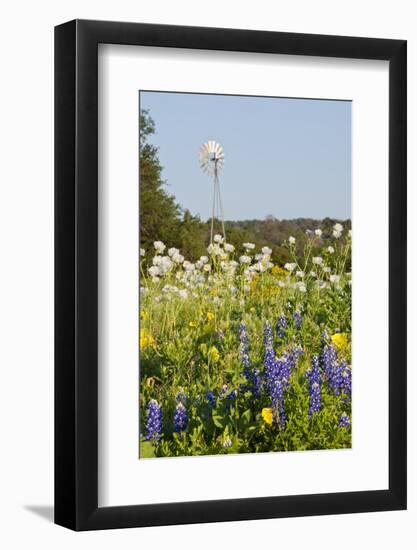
211 158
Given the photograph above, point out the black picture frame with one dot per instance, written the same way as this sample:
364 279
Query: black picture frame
76 272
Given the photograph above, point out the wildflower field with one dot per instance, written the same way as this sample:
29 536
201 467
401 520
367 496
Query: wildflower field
238 355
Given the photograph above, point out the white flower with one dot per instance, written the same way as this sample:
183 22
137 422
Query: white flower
282 284
229 247
159 246
183 293
291 240
218 238
290 267
334 278
188 266
330 249
326 269
165 264
248 246
318 232
142 251
300 274
143 290
245 260
178 258
172 251
300 286
203 259
154 271
313 274
213 249
317 260
266 250
337 230
308 232
207 268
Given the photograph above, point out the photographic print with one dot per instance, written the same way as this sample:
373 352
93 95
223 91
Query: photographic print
245 274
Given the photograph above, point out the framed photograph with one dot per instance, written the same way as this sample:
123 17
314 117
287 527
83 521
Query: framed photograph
230 254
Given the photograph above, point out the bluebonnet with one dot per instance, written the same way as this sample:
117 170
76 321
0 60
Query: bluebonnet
277 374
231 398
253 377
232 395
180 418
244 352
256 383
344 421
223 391
347 382
181 397
153 421
314 386
281 326
297 320
338 375
211 398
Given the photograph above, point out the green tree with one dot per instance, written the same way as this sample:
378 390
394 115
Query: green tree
159 213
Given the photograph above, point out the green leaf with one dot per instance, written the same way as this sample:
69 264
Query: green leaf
146 450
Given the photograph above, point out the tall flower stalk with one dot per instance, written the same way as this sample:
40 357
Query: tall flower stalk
153 421
314 387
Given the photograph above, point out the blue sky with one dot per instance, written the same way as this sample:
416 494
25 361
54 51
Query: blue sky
287 158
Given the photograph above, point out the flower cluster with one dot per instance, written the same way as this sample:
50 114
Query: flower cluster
297 320
277 373
153 421
344 421
314 386
337 374
252 376
180 418
281 326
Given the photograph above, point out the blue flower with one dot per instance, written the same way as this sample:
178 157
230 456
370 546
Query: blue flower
180 418
252 376
211 399
314 386
277 374
338 375
153 421
244 352
297 319
281 326
181 397
344 421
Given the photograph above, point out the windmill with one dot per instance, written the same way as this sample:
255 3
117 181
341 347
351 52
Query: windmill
211 158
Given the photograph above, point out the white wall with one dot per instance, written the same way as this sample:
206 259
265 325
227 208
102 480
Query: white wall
26 299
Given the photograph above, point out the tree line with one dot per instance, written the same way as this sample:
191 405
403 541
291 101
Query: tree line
163 219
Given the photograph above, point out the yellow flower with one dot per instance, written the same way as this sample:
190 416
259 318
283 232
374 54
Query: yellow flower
213 354
146 340
192 324
279 271
144 315
267 415
210 316
340 340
